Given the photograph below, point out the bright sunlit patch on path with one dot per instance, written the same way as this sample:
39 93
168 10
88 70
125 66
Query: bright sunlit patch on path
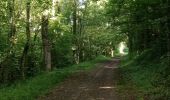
108 67
107 87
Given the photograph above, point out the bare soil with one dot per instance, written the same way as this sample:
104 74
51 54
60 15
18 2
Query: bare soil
98 84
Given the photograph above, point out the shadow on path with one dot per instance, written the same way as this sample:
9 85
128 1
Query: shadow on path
98 84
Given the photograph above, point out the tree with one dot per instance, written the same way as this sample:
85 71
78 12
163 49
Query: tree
24 56
46 43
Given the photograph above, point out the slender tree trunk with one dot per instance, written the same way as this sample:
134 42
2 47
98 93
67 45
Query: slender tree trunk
75 39
46 43
168 38
12 31
112 52
80 42
74 18
168 34
24 56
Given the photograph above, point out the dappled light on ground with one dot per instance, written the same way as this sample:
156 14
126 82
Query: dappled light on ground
99 84
107 87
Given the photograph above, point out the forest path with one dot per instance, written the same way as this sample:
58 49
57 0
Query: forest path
98 84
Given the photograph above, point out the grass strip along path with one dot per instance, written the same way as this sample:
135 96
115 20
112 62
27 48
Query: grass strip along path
97 84
30 89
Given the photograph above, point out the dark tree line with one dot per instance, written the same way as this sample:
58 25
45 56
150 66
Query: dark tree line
146 23
42 35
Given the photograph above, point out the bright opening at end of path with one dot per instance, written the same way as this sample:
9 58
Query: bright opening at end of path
122 48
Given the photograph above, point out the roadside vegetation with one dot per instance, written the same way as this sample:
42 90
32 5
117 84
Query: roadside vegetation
146 23
43 40
146 77
32 88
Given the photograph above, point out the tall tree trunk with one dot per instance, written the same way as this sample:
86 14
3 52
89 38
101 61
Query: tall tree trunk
46 43
27 45
80 40
75 39
75 18
12 31
168 35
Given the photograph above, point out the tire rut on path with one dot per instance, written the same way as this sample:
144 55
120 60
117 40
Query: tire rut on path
98 84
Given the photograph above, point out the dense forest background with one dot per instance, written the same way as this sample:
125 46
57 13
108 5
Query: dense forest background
42 35
146 23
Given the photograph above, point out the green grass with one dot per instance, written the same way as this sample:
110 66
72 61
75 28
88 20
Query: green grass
146 77
41 84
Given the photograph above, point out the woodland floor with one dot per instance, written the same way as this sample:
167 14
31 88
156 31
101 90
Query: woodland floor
97 84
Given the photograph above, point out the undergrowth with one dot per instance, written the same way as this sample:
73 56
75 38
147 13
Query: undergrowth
30 89
148 75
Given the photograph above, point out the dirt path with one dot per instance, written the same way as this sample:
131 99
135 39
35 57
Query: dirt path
98 84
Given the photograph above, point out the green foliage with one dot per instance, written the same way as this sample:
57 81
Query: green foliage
151 78
41 84
146 24
93 35
62 53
